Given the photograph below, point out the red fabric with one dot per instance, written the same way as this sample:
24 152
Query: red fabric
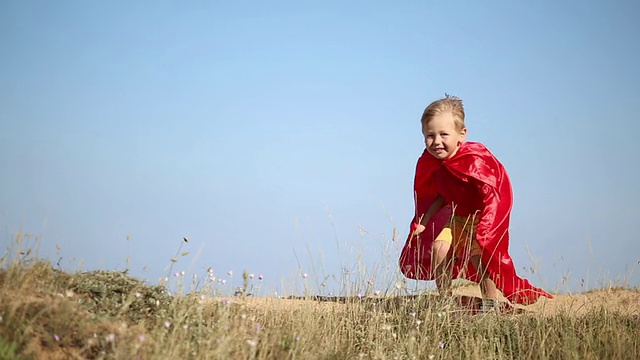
473 180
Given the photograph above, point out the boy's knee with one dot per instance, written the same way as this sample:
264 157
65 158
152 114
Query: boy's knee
440 250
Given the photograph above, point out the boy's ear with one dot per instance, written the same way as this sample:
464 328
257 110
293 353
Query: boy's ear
463 133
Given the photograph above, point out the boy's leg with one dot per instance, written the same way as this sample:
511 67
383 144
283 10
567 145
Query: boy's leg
487 286
441 262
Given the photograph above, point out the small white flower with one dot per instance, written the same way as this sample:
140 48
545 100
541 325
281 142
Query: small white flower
167 324
251 276
305 275
230 272
110 338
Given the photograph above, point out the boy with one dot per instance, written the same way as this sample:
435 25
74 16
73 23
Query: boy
463 179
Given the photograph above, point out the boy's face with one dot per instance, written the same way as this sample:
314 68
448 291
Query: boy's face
441 136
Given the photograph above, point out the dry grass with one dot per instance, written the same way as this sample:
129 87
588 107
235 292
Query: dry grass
49 314
46 313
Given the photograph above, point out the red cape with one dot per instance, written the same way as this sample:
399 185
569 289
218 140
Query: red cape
475 165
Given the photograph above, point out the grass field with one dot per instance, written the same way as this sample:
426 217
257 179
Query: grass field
46 313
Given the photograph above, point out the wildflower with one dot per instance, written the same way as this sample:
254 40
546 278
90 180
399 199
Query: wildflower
252 275
377 292
174 260
441 344
260 277
230 272
359 296
252 343
412 314
56 337
167 324
138 294
111 337
324 283
225 301
431 357
305 275
258 327
177 274
182 272
370 282
141 337
223 281
186 239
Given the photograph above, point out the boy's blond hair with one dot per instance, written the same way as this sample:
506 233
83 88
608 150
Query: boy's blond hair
448 103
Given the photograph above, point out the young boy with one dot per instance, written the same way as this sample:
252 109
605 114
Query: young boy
463 204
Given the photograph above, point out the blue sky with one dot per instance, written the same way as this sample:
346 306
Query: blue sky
281 137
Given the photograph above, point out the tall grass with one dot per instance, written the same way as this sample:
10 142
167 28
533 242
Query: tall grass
50 314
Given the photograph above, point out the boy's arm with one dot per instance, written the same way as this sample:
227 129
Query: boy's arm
435 206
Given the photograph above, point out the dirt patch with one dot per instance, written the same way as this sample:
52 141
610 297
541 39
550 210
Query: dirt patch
618 300
614 300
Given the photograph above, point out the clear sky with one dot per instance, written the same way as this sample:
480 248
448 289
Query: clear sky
281 137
